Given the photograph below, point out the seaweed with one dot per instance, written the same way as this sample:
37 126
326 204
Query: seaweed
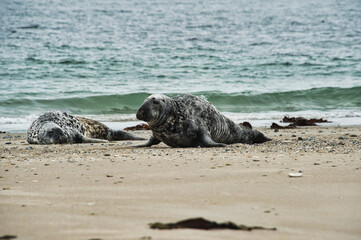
301 121
141 126
276 126
8 237
204 224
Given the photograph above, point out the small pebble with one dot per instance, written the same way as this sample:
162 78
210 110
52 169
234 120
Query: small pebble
295 175
8 143
108 175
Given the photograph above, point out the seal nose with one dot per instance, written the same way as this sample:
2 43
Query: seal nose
140 114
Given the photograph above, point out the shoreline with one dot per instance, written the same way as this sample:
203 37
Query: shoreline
258 123
113 191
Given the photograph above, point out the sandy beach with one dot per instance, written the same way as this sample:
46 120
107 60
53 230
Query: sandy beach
113 191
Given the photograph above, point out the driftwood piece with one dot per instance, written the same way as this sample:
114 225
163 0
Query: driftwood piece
141 126
204 224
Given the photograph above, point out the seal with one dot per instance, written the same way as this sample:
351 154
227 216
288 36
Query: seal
56 127
191 121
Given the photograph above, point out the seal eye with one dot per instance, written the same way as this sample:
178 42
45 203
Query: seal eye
155 102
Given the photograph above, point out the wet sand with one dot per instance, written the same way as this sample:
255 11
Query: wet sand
113 191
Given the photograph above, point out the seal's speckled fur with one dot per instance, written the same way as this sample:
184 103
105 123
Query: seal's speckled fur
191 121
60 127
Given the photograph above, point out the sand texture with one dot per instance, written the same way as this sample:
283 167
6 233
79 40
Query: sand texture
113 191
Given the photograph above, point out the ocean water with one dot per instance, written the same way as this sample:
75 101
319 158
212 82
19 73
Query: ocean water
254 60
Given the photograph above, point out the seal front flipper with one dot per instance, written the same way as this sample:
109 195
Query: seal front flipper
92 140
151 141
121 135
206 140
80 138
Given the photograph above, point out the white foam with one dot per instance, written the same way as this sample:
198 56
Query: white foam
265 119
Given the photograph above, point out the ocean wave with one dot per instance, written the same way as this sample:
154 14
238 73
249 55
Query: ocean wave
275 64
320 99
66 61
96 105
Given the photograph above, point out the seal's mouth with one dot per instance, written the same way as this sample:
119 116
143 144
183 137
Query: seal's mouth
141 115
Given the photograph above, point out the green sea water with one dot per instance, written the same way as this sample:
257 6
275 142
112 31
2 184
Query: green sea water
254 60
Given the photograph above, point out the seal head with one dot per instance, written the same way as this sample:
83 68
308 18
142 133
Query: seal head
51 133
155 109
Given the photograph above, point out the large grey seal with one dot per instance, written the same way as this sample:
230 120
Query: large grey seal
60 127
191 121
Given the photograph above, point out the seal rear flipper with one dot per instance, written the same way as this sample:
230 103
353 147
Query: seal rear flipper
121 135
151 141
259 137
206 140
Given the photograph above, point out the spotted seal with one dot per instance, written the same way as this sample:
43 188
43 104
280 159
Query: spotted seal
58 127
191 121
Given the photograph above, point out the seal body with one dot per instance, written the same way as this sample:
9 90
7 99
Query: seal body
58 127
191 121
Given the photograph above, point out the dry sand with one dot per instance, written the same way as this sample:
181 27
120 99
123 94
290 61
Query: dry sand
113 191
